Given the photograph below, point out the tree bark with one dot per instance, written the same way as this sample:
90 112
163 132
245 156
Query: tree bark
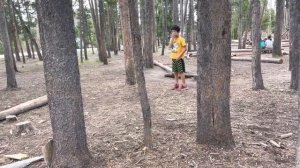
27 31
63 86
32 49
175 12
164 16
10 72
296 51
148 34
278 28
257 78
214 68
189 25
29 55
241 26
293 57
102 32
127 41
138 61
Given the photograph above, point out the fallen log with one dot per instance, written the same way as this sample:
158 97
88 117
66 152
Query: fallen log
164 67
264 60
171 75
23 163
24 107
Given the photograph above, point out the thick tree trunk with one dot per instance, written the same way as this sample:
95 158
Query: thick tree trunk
102 32
257 78
148 34
63 86
214 68
293 57
127 41
241 26
10 72
175 12
138 61
278 28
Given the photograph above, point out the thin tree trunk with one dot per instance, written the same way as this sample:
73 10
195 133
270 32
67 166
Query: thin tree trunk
96 26
12 26
189 25
32 49
29 55
181 16
240 27
293 57
70 147
245 39
214 68
163 41
27 31
148 34
10 72
296 52
138 61
257 78
278 28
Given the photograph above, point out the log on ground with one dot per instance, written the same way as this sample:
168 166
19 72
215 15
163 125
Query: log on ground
264 60
164 67
24 107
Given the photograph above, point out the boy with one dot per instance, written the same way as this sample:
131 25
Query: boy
178 47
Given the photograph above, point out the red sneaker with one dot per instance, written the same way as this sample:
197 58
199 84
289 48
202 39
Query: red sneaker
176 86
182 87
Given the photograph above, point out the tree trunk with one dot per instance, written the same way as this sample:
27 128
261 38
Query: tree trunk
257 78
10 72
96 26
296 51
12 26
127 41
164 16
102 32
29 55
214 68
148 46
293 57
181 16
189 25
245 39
138 61
278 28
70 147
240 27
41 30
27 31
175 12
32 49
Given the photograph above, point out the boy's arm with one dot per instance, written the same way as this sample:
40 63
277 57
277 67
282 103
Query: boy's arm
180 55
171 43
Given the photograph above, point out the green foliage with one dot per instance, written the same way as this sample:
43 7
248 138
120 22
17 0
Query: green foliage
268 20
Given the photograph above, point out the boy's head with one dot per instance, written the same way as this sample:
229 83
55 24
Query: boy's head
175 31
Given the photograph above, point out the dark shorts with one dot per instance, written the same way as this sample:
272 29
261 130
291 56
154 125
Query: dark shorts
178 66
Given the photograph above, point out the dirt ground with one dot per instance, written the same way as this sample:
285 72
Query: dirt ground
114 119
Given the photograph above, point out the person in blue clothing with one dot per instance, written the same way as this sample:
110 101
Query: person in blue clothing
262 44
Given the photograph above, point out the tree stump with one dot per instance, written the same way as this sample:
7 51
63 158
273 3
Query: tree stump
23 127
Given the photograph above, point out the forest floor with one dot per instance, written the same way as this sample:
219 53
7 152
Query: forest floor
114 118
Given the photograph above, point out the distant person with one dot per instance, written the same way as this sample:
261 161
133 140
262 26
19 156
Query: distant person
178 46
269 43
262 44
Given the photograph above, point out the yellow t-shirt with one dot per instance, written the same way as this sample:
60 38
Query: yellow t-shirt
178 46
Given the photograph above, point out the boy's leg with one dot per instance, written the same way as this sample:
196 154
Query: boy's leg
182 76
176 77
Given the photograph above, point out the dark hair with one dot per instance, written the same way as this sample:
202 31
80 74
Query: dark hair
270 37
176 28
